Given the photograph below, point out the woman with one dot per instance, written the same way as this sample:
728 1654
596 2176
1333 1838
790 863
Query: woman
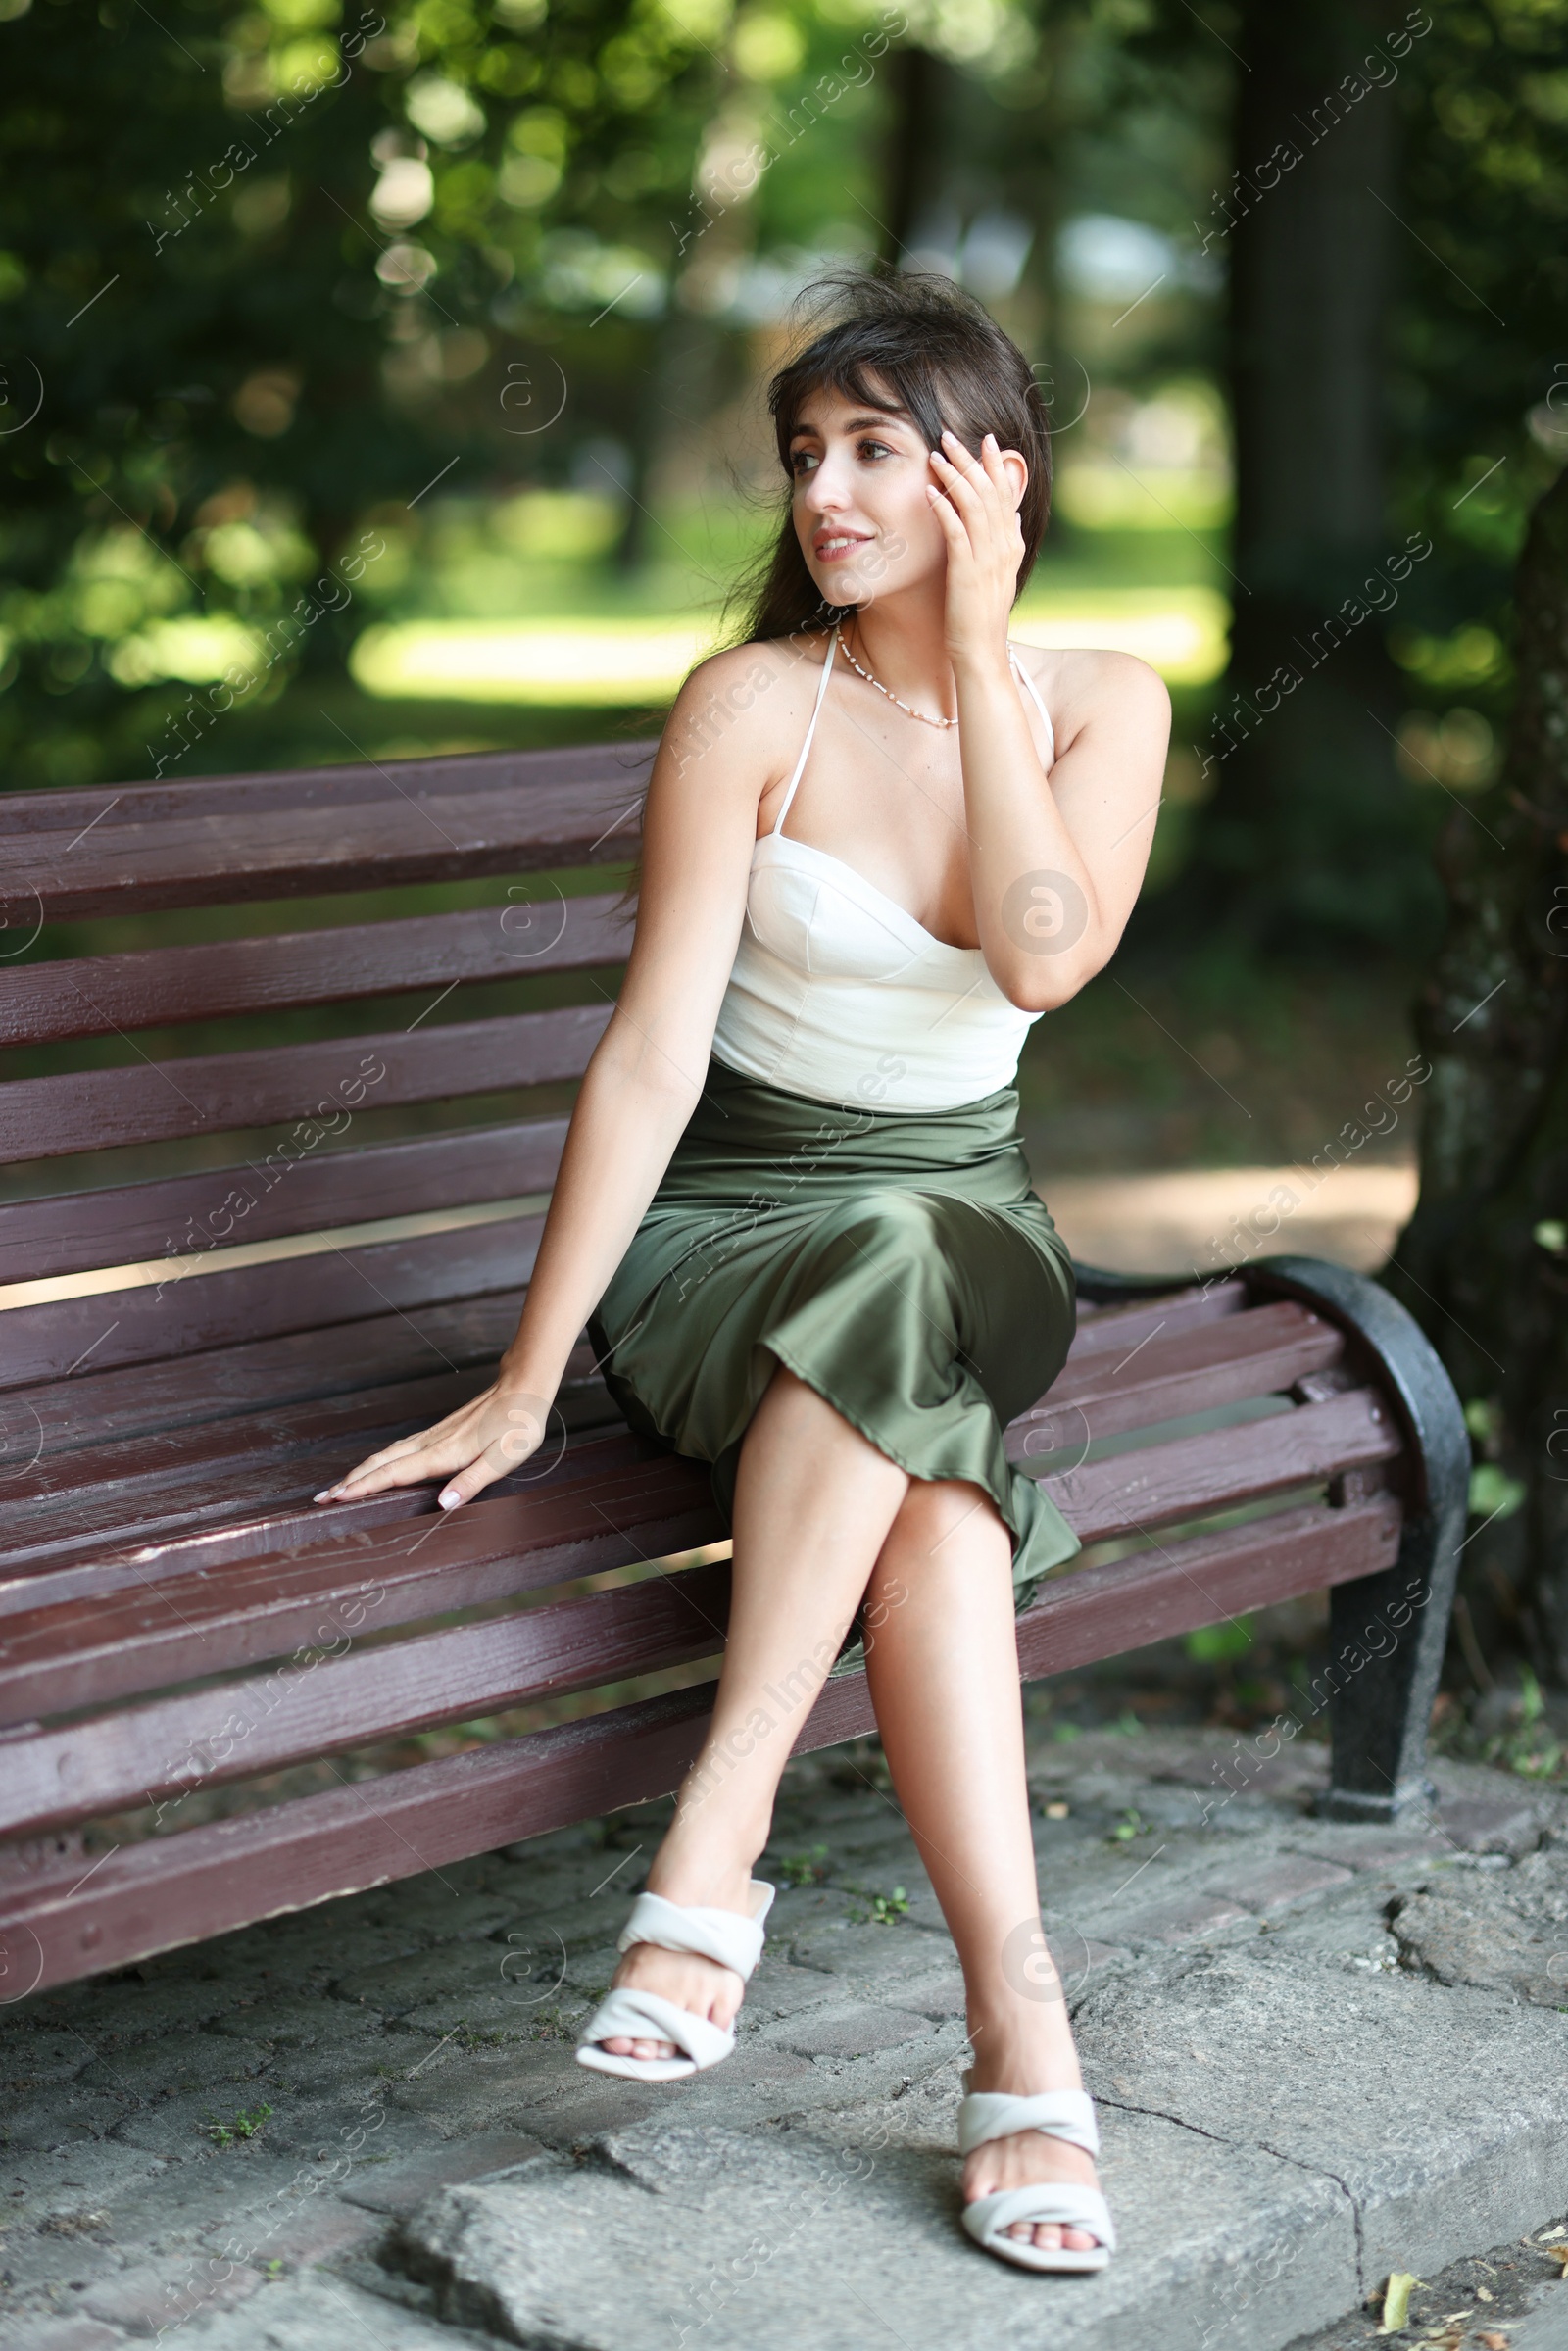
793 1206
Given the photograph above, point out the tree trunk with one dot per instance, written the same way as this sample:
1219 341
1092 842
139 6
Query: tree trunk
914 148
1310 829
1484 1261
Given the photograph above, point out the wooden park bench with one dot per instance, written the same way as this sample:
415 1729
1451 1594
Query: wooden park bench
267 1280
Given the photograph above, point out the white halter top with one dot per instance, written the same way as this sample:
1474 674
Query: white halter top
838 992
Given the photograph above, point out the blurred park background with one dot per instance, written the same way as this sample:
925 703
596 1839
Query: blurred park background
386 380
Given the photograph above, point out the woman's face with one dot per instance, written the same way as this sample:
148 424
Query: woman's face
861 514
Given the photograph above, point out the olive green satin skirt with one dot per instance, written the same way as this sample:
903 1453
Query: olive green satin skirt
896 1261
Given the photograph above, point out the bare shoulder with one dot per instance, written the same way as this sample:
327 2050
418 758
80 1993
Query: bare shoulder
1087 683
736 708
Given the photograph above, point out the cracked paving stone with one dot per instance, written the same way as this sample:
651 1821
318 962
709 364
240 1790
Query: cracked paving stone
854 2031
733 2233
1445 2122
1473 1934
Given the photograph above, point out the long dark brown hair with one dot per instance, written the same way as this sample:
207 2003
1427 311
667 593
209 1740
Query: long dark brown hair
913 341
907 340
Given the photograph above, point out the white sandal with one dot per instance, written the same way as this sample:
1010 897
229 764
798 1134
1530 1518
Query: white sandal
718 1934
1066 2114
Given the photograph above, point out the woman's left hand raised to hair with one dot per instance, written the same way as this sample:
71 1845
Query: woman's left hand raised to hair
976 502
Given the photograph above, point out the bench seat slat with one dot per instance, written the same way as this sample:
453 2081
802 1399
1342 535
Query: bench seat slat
1131 1492
616 1501
246 1472
1260 1354
1103 1329
157 985
238 1730
74 1231
180 1479
1159 1485
221 841
327 1081
165 1892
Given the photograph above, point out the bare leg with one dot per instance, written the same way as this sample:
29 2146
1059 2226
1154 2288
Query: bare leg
813 1502
942 1665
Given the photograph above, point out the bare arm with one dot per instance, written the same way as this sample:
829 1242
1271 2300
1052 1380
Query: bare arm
643 1081
1056 865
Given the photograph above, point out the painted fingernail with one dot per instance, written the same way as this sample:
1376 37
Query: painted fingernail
449 1500
326 1493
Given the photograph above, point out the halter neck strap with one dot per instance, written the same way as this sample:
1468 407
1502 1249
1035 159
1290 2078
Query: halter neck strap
817 712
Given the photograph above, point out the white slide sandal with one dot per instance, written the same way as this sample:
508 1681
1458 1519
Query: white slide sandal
1066 2114
718 1934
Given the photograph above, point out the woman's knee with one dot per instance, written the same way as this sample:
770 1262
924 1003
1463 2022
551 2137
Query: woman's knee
938 1520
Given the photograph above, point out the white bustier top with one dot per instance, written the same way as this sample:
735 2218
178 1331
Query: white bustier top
838 992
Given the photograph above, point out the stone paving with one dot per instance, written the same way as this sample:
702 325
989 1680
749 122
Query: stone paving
1321 2054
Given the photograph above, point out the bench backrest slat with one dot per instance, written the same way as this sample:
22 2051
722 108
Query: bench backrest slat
223 1206
225 840
216 1309
157 987
223 1093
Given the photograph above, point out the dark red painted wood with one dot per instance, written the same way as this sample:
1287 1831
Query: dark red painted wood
171 1890
257 1375
1192 1370
71 1231
1094 1612
167 1748
1161 1485
321 1084
156 1896
611 1505
215 1309
1103 1329
517 938
160 1483
132 848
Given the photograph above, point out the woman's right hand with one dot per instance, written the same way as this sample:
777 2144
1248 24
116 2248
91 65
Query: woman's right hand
480 1442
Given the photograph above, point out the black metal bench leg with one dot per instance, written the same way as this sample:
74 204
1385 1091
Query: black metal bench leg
1387 1637
1388 1629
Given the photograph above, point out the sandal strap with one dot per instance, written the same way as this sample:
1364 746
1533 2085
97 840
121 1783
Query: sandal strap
1067 2113
1060 2200
647 2016
723 1935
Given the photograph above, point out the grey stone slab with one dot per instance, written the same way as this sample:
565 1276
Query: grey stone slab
1187 1919
754 2241
59 2118
779 1989
855 2028
401 2187
1491 1823
1443 2113
876 1954
317 2311
123 2011
296 2231
937 1994
162 2296
394 1986
33 2185
189 2061
292 2022
62 2334
1349 1928
1545 2328
184 2129
36 2058
1387 1852
1470 1932
1281 1885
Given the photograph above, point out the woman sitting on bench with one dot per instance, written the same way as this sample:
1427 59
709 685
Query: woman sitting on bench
793 1209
